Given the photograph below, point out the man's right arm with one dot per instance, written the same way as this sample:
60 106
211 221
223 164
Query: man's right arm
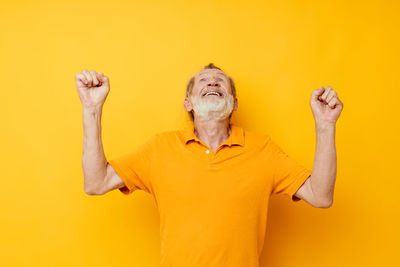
99 176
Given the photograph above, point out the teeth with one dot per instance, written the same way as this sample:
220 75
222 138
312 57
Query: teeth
212 93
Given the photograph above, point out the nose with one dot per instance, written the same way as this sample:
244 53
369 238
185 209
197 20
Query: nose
213 83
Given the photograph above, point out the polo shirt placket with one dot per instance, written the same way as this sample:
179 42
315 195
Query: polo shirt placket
212 158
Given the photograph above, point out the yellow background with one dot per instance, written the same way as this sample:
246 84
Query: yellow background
276 51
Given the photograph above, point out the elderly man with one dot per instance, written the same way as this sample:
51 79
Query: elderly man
212 180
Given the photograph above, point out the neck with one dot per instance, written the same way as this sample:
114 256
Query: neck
212 133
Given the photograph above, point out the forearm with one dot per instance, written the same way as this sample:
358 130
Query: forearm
94 163
325 164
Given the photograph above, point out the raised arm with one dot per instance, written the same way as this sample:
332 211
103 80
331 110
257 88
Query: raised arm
319 188
99 176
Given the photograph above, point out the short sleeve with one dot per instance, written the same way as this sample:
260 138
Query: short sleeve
289 174
134 167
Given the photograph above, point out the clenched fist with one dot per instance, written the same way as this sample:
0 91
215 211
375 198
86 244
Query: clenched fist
326 106
93 88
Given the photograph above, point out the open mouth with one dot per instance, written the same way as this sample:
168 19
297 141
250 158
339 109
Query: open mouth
212 93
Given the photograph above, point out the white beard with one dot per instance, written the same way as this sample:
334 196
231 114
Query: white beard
212 107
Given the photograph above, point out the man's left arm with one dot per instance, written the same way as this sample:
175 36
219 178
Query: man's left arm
319 187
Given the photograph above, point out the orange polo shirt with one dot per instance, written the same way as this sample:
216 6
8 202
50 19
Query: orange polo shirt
212 206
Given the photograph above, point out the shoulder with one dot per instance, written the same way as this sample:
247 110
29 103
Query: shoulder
256 139
165 137
263 144
157 142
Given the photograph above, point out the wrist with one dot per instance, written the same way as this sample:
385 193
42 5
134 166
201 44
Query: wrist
325 126
92 110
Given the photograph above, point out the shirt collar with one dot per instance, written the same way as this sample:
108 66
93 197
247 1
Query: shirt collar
235 138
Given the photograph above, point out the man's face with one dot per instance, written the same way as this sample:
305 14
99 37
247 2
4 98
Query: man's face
211 97
211 80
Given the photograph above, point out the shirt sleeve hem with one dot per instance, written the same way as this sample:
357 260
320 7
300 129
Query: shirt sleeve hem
129 186
304 175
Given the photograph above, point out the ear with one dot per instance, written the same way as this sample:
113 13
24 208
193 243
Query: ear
235 104
188 106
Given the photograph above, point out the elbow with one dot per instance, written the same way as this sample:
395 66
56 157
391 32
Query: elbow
93 186
324 204
91 191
